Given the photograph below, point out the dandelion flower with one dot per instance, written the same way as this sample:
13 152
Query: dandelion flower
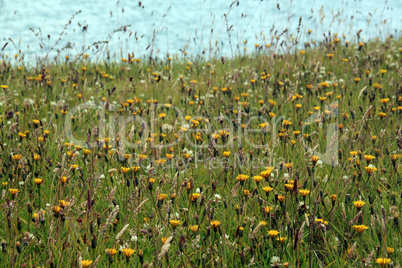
174 223
273 233
162 197
281 239
383 262
321 221
13 191
111 251
369 157
215 224
86 263
38 181
289 186
226 154
360 228
194 196
127 252
304 193
267 189
390 250
359 204
242 178
17 157
370 170
257 179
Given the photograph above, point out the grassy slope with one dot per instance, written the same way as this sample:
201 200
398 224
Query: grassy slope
195 88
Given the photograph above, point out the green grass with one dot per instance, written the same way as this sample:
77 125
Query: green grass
103 199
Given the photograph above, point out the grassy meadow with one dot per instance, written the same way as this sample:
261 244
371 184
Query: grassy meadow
261 160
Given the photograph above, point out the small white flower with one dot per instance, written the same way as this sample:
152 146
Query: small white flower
167 127
286 176
319 163
134 238
276 261
31 236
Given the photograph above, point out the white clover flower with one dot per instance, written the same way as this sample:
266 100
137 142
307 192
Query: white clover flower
319 163
276 261
167 127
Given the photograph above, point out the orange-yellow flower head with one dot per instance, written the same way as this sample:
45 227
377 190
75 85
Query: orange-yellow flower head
215 224
360 228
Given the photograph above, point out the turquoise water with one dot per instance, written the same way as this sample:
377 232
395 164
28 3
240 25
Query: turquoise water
162 27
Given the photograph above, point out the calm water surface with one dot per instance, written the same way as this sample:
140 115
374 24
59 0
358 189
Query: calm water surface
164 27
